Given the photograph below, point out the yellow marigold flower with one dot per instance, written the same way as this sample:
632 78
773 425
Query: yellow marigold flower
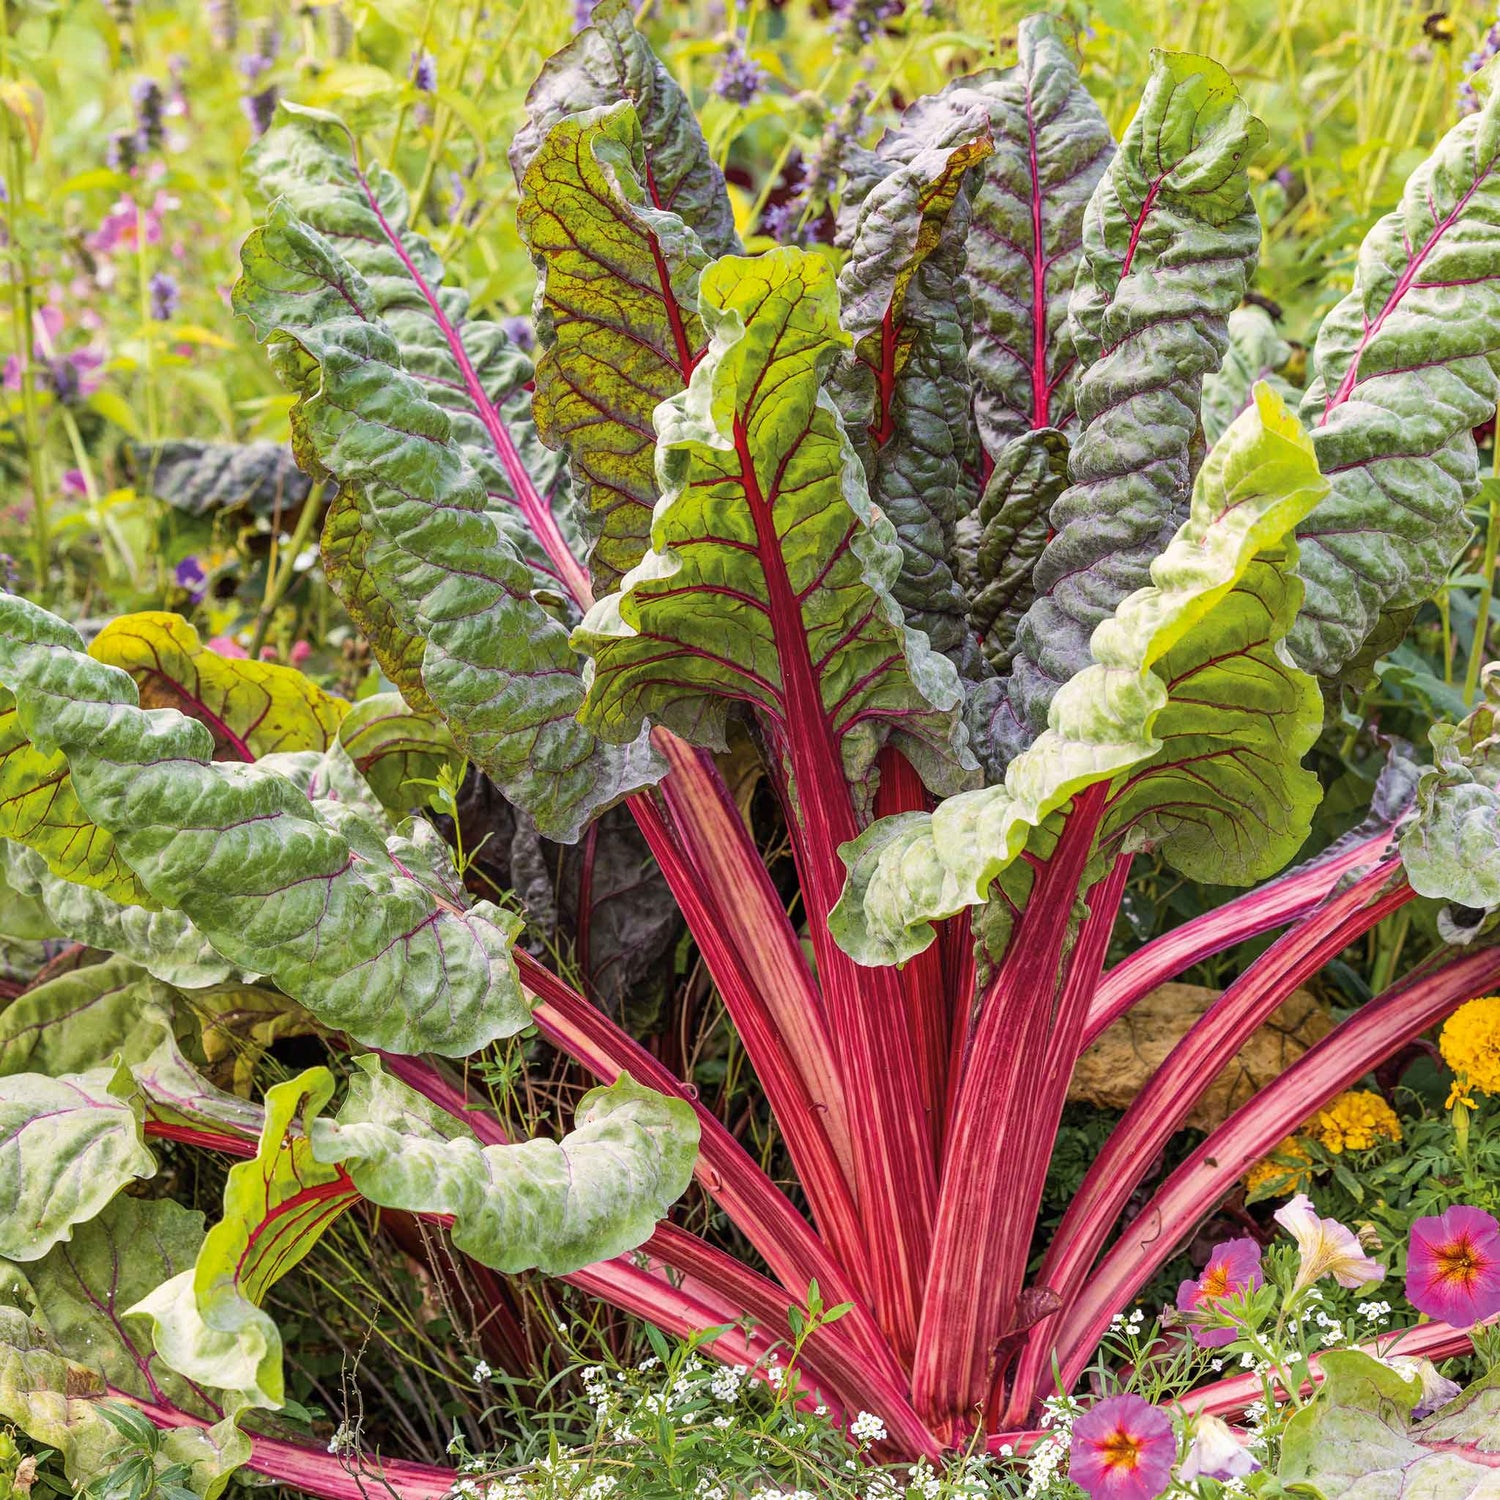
1470 1043
1281 1178
1461 1092
1355 1121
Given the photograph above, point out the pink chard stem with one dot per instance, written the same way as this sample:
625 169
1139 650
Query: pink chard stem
972 1291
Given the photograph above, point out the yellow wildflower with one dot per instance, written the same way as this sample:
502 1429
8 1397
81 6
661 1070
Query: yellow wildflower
1355 1121
1470 1043
1288 1176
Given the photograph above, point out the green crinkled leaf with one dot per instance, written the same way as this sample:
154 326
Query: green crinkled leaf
387 407
23 917
1355 1440
464 365
1405 367
314 896
769 577
1256 352
79 1019
609 61
397 749
207 478
1007 534
904 388
178 1100
164 943
82 1290
345 549
553 1206
207 1321
1170 241
1449 848
252 708
67 1146
1229 568
616 320
56 1401
1052 146
39 808
239 1022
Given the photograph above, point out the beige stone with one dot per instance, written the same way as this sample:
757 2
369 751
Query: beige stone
1115 1069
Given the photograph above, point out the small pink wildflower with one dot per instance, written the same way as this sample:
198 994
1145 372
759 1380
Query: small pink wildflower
1453 1266
1123 1449
1233 1268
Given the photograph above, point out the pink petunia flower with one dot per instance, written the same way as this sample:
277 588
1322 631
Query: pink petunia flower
1233 1268
1123 1449
1326 1247
1453 1266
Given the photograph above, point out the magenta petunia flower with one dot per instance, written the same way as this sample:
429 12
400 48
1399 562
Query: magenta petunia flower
1453 1266
1123 1449
1233 1268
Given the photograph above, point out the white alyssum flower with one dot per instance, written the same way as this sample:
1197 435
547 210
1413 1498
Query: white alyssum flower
345 1439
867 1428
482 1372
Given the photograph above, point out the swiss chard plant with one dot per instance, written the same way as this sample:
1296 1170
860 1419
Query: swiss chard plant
993 545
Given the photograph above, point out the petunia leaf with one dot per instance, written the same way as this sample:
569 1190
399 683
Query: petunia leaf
1170 240
769 578
316 896
1199 646
1404 368
616 320
251 708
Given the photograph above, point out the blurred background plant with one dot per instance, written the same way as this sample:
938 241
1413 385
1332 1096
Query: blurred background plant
143 463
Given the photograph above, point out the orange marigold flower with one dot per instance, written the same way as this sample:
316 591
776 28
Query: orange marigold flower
1355 1121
